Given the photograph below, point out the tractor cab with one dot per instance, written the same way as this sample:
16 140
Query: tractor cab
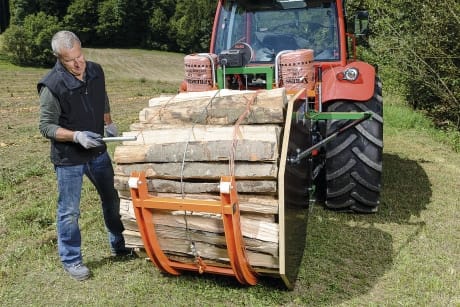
268 27
267 44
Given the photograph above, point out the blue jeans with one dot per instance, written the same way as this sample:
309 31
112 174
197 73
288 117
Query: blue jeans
70 179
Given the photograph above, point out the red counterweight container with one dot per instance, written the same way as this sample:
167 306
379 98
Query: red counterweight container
297 70
200 72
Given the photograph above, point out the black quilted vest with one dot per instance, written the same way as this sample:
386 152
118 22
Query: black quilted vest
82 109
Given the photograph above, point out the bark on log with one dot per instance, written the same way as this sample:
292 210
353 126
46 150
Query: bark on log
257 246
261 229
171 186
176 231
181 248
201 170
221 108
201 143
248 203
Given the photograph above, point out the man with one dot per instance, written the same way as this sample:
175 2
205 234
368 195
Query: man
74 112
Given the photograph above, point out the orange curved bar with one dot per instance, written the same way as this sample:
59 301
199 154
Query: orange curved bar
144 206
234 237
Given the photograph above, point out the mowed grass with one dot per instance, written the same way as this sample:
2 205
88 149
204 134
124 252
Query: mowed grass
407 254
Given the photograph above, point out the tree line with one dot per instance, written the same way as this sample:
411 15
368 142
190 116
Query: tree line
169 25
414 43
417 42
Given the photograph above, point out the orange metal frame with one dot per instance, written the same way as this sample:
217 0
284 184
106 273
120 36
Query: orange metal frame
145 206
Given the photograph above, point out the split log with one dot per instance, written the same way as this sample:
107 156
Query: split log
248 203
176 231
263 229
189 187
182 248
211 231
194 96
201 170
201 143
205 133
216 108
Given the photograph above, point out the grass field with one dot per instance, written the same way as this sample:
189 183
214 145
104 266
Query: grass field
405 255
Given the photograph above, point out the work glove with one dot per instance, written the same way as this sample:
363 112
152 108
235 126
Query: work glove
111 130
87 139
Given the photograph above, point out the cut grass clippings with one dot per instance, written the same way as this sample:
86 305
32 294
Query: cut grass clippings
406 254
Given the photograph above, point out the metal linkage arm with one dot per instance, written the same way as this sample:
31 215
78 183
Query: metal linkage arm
308 151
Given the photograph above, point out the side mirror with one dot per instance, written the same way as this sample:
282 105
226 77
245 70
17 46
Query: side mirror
361 23
359 26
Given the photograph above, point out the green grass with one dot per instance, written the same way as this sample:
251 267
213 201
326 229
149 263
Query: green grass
399 117
406 254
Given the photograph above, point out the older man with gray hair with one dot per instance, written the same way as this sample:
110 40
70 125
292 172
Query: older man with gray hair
74 114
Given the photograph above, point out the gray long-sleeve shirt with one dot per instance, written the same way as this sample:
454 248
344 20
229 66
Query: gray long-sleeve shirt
50 111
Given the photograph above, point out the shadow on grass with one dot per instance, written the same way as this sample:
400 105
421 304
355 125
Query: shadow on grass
346 254
406 190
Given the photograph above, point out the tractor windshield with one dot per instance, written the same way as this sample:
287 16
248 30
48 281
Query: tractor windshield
272 26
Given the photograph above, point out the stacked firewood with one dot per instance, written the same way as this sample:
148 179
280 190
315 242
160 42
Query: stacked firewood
185 143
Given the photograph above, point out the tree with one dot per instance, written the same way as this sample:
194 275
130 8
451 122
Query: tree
161 13
122 22
191 25
30 43
56 8
418 43
111 15
81 18
20 9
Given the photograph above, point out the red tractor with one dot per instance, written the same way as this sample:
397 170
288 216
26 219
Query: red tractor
309 45
333 133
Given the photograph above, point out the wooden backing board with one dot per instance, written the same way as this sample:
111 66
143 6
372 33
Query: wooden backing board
293 213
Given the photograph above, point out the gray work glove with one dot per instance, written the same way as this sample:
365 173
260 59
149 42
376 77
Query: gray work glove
111 130
87 139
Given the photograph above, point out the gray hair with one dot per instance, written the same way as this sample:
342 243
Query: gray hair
63 39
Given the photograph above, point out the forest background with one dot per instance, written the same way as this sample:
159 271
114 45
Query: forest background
414 44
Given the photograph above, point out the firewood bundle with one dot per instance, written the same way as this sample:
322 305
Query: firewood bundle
185 143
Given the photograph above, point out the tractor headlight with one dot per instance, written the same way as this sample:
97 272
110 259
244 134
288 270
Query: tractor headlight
350 74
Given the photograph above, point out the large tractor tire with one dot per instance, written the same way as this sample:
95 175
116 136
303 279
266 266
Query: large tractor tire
354 158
